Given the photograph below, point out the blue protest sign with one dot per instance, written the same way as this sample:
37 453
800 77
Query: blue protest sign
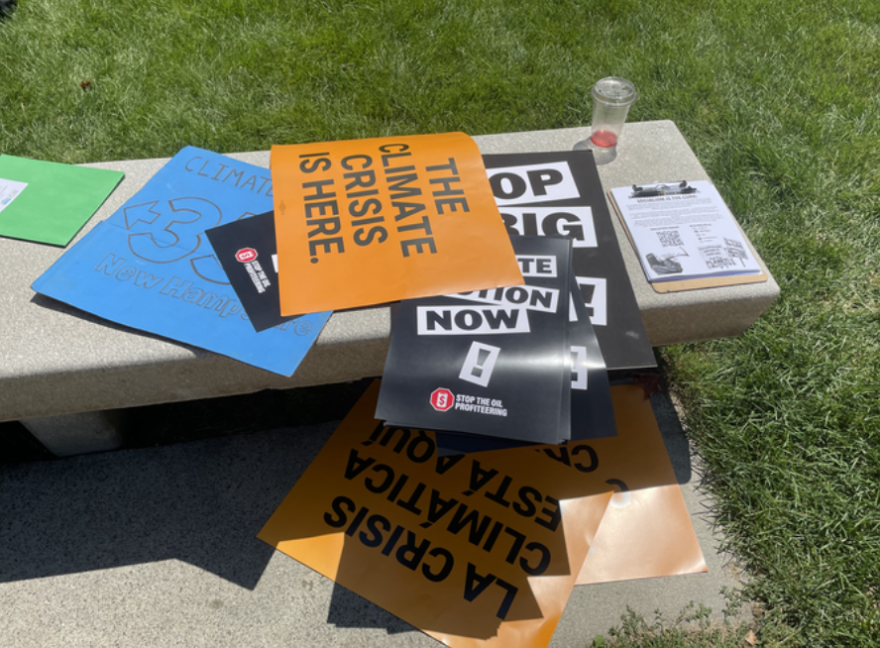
151 267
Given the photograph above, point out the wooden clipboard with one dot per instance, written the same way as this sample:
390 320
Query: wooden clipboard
690 284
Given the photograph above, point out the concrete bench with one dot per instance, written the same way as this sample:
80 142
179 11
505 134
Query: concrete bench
64 372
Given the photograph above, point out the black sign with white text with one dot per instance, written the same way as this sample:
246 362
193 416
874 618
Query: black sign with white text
591 411
560 194
247 251
493 362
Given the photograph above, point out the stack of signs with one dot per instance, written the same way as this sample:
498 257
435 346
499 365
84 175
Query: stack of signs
500 363
560 193
592 412
475 552
151 267
482 550
372 221
365 222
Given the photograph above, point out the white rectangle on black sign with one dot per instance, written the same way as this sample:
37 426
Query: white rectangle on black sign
574 222
543 182
470 320
537 265
596 288
536 298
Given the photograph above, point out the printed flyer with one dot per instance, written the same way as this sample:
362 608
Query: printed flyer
372 221
683 230
150 265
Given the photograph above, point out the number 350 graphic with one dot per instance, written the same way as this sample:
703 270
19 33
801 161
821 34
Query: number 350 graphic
174 230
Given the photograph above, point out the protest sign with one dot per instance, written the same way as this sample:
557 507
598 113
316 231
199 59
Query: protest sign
493 362
592 410
371 221
560 194
246 249
48 202
472 552
591 407
636 464
645 533
151 267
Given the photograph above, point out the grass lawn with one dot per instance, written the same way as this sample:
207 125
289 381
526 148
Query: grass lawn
780 100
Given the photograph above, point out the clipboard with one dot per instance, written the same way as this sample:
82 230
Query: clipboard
690 284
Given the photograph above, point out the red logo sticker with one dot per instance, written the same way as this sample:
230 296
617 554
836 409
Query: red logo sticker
246 254
442 399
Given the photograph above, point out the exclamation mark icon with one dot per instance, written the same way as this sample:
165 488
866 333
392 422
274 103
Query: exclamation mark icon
479 364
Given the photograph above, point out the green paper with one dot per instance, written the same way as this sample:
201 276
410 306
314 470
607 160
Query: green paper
57 201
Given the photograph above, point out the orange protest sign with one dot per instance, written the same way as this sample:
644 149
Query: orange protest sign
647 496
475 552
645 533
370 221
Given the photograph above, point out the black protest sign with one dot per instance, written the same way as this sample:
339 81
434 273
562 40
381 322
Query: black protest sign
492 362
592 411
591 407
560 194
246 249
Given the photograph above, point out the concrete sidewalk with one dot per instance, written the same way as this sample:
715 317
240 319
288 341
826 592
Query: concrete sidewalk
157 547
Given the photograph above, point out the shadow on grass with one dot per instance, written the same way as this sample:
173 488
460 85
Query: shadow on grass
6 8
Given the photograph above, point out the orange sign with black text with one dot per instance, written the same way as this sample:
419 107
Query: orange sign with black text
483 550
476 551
646 531
370 221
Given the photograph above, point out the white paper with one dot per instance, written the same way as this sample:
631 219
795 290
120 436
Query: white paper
683 231
9 190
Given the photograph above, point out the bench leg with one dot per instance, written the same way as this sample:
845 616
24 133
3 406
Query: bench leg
73 434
